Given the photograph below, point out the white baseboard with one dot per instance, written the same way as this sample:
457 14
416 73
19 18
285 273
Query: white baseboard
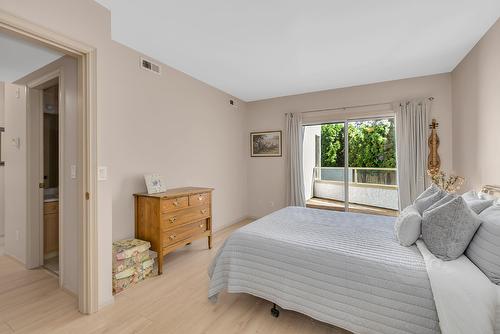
107 302
232 222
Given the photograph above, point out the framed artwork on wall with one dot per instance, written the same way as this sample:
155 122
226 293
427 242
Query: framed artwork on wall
266 144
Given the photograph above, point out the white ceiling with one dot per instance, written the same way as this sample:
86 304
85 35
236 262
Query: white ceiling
19 57
267 48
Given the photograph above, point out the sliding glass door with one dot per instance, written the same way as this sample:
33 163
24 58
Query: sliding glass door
351 166
372 166
324 166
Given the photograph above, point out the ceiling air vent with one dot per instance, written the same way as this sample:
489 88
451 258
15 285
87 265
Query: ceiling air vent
150 66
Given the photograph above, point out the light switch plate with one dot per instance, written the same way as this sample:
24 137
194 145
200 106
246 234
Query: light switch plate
102 173
73 171
16 142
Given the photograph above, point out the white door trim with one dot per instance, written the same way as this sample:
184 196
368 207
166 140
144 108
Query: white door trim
86 55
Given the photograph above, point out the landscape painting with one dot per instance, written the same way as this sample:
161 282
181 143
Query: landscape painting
266 144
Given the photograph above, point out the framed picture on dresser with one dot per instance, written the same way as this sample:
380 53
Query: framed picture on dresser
266 144
155 183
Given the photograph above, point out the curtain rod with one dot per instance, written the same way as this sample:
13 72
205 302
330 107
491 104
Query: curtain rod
355 106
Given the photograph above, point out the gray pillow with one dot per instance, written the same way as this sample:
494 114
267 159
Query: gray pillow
429 191
447 198
407 226
484 249
423 203
477 201
448 229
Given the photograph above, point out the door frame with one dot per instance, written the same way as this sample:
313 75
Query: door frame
87 147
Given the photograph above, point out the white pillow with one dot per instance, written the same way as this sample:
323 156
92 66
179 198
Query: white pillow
407 226
478 202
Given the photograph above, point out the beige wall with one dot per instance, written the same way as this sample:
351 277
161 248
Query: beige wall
2 169
171 124
266 179
176 126
476 111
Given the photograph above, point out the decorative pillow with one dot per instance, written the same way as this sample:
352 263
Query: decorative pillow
448 229
422 203
407 226
478 201
470 195
447 198
429 191
484 249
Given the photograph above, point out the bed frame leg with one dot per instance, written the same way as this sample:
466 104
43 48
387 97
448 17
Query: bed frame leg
275 312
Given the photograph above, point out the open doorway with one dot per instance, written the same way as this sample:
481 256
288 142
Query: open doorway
32 244
31 106
50 139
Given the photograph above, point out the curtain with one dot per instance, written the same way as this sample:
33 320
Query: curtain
294 135
412 124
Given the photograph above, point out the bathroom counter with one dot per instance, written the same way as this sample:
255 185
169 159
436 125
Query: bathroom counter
48 200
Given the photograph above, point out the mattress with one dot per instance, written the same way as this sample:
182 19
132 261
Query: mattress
345 269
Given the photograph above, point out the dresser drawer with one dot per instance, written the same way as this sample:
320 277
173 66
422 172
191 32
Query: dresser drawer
199 199
174 204
183 232
173 219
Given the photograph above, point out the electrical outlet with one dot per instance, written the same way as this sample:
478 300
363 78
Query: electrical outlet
73 171
18 235
271 204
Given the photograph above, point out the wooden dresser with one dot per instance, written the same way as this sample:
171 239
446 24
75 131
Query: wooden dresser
174 218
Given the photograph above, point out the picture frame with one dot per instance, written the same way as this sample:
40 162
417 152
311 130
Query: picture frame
266 144
155 183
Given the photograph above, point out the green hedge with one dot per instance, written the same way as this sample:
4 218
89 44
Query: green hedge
371 144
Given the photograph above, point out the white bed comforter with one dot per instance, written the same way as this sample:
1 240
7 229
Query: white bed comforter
345 269
466 300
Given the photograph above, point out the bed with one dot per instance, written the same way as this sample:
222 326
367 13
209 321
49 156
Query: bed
345 269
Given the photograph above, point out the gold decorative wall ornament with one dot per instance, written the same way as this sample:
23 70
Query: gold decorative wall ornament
433 161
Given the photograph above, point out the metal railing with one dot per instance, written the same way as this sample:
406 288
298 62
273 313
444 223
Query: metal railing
375 187
359 175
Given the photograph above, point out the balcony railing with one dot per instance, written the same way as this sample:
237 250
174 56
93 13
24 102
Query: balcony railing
367 175
367 186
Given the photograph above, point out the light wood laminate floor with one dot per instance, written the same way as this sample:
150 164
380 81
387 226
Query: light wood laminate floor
30 302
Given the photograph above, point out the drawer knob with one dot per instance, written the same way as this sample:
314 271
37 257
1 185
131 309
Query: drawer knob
175 203
203 211
172 237
172 220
